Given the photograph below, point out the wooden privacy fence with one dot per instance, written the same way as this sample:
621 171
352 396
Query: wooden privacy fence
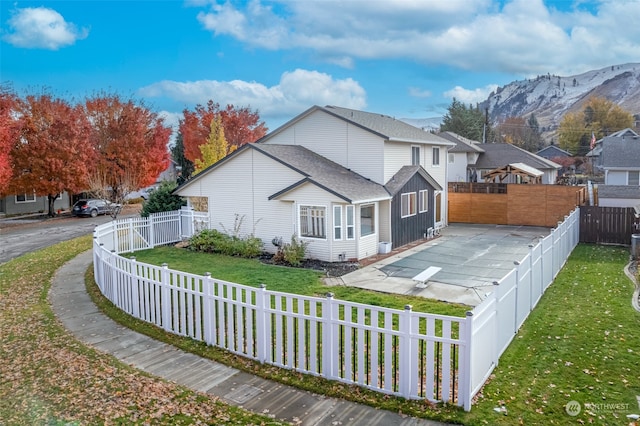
398 352
607 225
512 204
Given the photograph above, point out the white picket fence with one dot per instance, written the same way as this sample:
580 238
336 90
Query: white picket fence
397 352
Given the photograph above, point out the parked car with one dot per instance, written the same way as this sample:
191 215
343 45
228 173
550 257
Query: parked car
93 207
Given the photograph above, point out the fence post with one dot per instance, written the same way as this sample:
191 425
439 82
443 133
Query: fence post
467 373
152 232
262 323
114 278
165 301
208 325
407 369
329 346
135 290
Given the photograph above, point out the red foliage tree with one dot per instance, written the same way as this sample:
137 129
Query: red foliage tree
131 145
53 154
9 133
241 126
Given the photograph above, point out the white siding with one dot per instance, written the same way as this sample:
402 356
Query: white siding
457 171
396 155
617 177
337 140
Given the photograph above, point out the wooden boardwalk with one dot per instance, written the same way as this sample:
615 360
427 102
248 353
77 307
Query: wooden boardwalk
81 317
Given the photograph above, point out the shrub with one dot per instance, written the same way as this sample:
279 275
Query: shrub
213 241
291 253
162 200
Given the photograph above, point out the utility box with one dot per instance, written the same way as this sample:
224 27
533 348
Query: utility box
635 246
385 247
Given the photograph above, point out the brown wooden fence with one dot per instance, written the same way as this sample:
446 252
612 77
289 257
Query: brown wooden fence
607 225
517 204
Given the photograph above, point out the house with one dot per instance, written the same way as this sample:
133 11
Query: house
505 162
618 157
552 151
29 203
344 181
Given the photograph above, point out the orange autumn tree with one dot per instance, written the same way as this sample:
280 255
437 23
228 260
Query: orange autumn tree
131 146
9 131
52 153
241 126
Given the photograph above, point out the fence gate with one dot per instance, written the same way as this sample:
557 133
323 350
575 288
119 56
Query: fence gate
607 225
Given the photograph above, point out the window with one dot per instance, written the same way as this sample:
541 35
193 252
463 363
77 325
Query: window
26 198
436 156
634 178
424 200
351 226
337 222
367 220
312 222
452 158
415 155
408 204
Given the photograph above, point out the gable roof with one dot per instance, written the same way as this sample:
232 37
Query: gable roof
398 181
552 151
621 152
619 191
462 144
324 173
500 154
382 125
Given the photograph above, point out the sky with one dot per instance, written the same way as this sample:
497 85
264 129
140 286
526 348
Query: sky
403 58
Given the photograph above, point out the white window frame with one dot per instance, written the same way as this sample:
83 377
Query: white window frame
452 158
28 198
307 221
337 223
373 220
636 180
423 201
408 204
415 155
435 160
351 222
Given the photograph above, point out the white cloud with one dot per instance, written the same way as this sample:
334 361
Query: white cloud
472 96
526 37
42 28
296 91
416 92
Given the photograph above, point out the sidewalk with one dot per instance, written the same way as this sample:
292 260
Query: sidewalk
81 317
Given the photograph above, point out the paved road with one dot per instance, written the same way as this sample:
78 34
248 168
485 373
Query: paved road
21 236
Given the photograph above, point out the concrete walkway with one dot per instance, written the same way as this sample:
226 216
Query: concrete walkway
81 317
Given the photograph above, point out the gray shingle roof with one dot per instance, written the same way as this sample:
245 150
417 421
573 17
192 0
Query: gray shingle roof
552 151
324 173
386 126
397 181
500 154
462 144
618 191
620 152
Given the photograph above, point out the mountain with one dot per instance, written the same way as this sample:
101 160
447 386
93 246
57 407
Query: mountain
428 124
549 97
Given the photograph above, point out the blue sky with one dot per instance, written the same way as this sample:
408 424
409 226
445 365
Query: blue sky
404 58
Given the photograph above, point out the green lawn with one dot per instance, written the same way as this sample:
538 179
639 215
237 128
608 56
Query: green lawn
252 272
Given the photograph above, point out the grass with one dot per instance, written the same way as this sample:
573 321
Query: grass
581 343
252 272
47 377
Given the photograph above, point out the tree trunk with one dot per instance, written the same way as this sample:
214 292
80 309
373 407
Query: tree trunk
51 201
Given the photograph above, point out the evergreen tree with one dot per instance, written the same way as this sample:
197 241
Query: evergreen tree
162 200
177 153
465 121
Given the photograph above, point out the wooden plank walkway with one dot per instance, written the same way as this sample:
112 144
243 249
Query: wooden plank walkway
81 317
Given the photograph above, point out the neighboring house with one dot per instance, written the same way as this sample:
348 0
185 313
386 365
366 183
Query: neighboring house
170 174
490 159
31 203
552 151
459 157
343 181
618 157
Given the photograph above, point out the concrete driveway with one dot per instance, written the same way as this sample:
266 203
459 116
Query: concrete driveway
471 257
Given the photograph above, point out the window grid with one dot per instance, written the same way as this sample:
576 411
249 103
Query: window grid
312 222
26 198
408 204
436 156
337 222
351 226
424 200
